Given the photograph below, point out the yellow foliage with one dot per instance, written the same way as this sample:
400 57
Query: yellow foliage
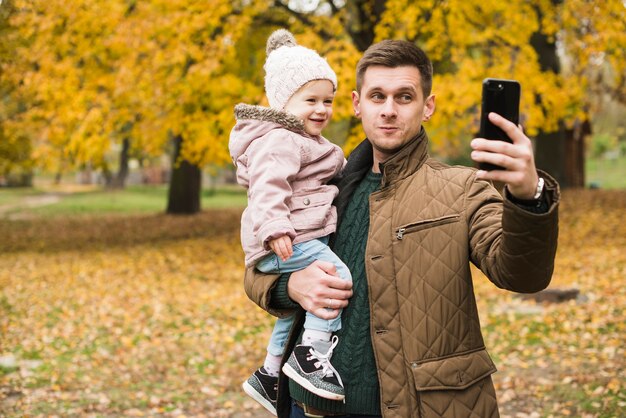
104 70
470 41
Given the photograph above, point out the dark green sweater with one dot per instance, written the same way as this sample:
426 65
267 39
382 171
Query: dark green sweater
353 357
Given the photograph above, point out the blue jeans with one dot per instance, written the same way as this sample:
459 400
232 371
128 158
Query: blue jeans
297 412
304 254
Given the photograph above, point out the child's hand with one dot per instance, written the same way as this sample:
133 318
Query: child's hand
282 247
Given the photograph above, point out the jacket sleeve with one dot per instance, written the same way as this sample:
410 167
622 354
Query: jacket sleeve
269 292
273 162
515 248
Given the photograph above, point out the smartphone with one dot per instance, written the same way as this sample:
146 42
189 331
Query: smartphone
502 97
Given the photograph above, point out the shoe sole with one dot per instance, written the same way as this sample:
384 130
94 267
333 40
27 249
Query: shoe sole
296 377
251 392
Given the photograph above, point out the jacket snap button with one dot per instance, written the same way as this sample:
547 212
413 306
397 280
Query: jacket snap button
306 202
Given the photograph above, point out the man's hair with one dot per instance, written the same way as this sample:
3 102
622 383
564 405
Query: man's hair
396 53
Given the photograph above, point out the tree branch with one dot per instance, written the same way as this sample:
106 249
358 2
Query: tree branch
303 18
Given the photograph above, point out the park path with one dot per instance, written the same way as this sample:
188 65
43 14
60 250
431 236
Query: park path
11 210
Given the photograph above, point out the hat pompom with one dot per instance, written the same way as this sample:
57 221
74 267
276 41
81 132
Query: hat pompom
281 37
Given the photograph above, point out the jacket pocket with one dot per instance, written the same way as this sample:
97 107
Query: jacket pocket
452 373
424 224
310 211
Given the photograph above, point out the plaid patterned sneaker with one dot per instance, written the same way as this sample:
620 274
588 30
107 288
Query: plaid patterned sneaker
309 366
262 388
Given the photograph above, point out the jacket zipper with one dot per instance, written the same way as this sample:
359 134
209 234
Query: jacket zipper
425 224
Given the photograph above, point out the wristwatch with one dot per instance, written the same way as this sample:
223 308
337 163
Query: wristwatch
539 190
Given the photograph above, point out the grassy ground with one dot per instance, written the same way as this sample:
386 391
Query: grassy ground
143 314
89 200
607 173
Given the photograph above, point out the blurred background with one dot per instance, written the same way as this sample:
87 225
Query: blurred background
115 115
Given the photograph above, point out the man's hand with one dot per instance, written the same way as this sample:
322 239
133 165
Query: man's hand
520 174
282 247
319 290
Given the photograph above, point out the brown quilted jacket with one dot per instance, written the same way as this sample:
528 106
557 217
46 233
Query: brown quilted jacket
427 222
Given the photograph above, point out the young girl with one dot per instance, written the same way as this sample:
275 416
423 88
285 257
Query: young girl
285 163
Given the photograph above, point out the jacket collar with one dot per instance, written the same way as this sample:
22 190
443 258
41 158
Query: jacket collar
406 161
401 165
267 114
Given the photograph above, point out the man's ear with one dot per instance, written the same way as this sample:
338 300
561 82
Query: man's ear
356 104
429 107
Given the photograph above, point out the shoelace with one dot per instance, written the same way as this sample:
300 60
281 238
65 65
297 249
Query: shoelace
324 360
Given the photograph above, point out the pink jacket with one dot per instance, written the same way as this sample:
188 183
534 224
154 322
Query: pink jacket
285 171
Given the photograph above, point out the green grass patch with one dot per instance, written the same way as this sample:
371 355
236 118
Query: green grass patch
132 200
606 173
11 196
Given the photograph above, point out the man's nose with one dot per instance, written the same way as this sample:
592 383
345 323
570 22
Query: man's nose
389 108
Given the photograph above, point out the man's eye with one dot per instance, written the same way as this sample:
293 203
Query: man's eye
405 98
378 97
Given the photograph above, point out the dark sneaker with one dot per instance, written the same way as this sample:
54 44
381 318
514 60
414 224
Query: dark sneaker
309 366
262 388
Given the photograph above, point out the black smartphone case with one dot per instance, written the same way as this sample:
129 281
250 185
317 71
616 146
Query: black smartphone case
502 97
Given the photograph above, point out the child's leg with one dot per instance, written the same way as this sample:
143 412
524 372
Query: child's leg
304 254
276 346
309 364
315 327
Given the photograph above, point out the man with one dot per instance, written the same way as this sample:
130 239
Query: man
411 344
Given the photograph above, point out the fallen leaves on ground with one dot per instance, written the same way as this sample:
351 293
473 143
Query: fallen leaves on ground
146 316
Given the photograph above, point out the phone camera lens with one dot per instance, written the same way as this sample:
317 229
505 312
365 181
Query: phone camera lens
500 86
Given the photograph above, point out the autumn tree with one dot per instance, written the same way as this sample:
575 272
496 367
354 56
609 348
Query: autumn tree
125 73
524 40
147 77
15 150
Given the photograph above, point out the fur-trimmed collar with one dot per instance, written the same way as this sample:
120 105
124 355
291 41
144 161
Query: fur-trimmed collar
267 114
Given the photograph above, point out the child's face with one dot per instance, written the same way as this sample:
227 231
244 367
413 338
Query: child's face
313 104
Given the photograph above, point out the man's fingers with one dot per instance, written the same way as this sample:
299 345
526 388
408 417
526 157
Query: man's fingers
326 266
324 313
498 147
512 131
503 160
333 288
502 176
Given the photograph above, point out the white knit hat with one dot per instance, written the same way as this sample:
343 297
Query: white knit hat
290 66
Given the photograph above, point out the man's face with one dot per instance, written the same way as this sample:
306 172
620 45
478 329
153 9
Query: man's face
391 107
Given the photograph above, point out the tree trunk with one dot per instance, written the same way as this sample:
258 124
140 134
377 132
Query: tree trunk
185 184
558 153
575 152
362 18
119 181
550 154
21 179
107 175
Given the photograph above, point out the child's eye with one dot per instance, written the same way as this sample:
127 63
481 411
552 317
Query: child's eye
328 101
